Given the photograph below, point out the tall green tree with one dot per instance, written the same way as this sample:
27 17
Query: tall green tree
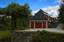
12 11
16 15
61 14
17 11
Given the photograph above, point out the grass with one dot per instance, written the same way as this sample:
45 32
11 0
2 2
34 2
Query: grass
42 36
45 36
4 34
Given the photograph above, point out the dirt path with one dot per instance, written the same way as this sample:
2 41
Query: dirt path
47 29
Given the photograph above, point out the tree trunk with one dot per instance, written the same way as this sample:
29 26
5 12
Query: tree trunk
62 25
13 23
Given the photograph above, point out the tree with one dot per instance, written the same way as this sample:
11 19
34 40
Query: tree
24 15
17 11
2 11
61 14
19 15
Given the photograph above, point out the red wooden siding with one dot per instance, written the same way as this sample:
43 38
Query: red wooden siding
44 24
38 25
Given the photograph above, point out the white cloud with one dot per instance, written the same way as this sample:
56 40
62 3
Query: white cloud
60 1
51 10
33 12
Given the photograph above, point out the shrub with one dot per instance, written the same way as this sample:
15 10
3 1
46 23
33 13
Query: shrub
45 36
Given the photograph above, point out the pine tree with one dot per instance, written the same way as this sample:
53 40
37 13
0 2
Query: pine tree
61 14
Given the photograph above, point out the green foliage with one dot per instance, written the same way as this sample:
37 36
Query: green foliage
61 14
5 23
45 36
19 16
22 24
19 12
2 11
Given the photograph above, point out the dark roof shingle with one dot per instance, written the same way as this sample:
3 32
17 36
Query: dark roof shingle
39 15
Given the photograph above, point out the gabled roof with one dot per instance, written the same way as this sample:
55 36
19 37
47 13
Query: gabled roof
40 15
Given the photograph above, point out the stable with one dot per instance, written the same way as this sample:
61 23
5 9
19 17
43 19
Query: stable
40 20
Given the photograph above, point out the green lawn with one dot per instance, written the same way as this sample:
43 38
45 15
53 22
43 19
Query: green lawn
45 36
4 34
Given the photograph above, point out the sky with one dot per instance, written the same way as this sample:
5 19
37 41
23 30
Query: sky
49 6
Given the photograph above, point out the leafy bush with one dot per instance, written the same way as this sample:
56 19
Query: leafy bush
48 37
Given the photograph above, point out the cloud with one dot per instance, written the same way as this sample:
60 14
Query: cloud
35 11
51 10
60 1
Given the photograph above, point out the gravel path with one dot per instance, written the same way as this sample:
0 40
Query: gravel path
47 29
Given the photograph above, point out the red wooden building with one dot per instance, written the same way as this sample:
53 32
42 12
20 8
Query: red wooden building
40 20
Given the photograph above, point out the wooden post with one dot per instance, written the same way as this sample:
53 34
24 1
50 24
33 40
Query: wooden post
46 24
30 24
34 24
42 24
